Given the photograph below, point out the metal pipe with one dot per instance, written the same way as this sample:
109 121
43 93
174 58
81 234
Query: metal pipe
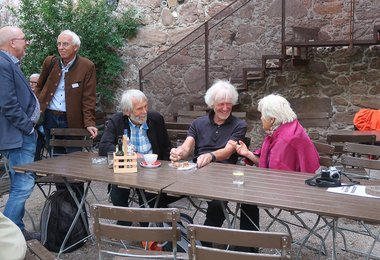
283 28
351 32
206 55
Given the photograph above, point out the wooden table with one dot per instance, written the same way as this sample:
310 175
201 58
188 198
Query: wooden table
273 188
262 187
276 189
79 166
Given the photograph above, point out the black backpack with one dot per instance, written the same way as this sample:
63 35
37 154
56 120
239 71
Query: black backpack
56 217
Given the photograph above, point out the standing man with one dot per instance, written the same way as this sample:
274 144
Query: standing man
66 89
212 138
19 112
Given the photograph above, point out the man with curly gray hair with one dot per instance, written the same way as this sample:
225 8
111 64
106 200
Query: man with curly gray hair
212 138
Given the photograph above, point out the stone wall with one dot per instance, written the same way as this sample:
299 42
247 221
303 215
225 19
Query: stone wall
337 80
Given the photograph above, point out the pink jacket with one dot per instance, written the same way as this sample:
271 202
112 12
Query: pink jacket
289 148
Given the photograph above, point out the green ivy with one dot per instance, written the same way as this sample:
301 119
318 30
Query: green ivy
102 34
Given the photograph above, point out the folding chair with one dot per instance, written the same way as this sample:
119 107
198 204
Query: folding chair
104 229
234 237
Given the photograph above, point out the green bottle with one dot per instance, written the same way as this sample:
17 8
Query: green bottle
119 147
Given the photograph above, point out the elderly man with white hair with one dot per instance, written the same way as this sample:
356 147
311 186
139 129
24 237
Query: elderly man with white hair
146 131
66 89
213 137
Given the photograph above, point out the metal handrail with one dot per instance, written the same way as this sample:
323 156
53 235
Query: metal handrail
194 35
229 10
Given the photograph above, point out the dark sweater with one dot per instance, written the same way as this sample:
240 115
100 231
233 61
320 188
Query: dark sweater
157 134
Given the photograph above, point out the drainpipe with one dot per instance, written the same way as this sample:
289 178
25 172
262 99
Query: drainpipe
206 55
352 10
283 27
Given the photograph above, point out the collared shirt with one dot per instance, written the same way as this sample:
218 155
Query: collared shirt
139 138
36 112
210 136
58 101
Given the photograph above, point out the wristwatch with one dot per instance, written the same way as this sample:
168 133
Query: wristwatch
213 157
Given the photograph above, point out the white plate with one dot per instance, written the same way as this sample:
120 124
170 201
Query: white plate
155 165
190 167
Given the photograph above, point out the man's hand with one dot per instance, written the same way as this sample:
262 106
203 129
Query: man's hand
93 131
176 154
204 159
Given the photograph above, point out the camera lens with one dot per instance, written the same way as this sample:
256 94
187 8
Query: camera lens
334 175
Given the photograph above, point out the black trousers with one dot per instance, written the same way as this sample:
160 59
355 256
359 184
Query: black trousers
120 197
215 217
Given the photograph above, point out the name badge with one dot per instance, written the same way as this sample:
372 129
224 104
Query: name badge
75 85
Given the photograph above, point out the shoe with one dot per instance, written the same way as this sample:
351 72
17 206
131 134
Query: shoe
31 235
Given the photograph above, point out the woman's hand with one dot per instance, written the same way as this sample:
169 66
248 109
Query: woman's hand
242 149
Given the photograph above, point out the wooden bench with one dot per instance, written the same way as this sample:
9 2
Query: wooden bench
314 119
177 132
36 251
326 152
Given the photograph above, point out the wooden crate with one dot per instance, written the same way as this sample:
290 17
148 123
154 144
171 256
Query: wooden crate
124 164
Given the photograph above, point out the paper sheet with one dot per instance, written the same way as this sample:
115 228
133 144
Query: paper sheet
357 190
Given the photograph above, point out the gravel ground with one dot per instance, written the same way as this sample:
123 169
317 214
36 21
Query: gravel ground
354 241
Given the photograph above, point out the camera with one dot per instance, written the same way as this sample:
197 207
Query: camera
332 174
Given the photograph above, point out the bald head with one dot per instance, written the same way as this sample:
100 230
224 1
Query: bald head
13 40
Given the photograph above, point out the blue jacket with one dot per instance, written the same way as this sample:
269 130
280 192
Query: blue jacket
17 103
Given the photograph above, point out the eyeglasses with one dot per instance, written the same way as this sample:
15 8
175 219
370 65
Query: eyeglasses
20 39
33 82
63 44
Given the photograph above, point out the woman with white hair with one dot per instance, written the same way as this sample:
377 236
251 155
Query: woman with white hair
286 145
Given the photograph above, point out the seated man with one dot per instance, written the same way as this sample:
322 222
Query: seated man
213 138
147 133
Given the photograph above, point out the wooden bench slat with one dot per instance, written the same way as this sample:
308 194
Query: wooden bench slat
37 251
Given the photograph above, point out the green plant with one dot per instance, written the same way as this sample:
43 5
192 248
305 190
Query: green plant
102 33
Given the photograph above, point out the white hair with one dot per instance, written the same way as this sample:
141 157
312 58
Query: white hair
126 103
34 75
221 90
74 36
276 106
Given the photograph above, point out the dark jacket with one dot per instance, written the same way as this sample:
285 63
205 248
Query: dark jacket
157 134
17 104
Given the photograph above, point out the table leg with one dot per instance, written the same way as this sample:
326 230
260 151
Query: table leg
79 213
376 239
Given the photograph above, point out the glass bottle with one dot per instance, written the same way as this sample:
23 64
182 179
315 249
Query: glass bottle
119 149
